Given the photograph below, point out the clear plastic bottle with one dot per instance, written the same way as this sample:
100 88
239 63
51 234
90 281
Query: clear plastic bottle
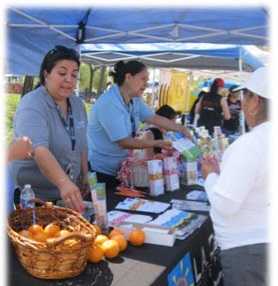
27 197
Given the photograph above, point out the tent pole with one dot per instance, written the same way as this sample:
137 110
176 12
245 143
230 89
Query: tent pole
242 118
153 87
101 81
91 78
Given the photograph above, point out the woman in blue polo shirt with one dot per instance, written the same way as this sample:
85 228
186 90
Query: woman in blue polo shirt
115 117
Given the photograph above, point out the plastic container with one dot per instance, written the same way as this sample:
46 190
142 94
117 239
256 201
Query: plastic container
99 202
27 197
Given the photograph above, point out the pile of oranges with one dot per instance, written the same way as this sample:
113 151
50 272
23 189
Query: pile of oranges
40 234
109 246
104 246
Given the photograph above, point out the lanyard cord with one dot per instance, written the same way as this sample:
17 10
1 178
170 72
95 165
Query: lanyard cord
69 127
132 120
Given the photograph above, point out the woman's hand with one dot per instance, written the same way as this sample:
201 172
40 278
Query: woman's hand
209 165
164 144
71 196
182 129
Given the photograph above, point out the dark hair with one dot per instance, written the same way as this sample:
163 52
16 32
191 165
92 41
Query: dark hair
121 69
55 55
218 82
166 111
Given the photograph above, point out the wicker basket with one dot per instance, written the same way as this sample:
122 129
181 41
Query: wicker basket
57 258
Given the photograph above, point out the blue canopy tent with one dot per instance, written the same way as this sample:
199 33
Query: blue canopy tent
31 32
179 55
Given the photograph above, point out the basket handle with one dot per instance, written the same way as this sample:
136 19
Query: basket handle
52 242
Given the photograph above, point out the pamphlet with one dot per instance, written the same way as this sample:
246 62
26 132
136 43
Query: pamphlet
190 205
142 205
181 222
197 196
119 217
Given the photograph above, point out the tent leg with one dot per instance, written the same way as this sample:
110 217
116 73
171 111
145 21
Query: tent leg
101 80
242 118
91 78
27 85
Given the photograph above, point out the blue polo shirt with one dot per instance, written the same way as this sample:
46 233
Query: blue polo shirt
111 120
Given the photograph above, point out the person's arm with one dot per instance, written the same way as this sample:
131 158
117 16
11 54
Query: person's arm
148 152
198 106
225 108
228 189
224 206
138 143
51 169
197 111
20 149
167 124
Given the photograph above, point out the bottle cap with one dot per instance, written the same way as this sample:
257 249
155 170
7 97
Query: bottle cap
27 186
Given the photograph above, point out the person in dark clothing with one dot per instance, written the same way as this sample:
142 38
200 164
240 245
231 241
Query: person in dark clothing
231 126
155 133
192 110
212 108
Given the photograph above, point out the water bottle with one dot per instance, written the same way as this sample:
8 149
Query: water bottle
27 197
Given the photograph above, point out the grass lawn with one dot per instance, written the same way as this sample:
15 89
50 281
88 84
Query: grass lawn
12 100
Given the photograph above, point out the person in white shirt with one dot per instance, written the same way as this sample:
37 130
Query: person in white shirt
238 192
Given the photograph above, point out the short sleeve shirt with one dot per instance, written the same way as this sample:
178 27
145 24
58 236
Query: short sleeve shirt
39 118
111 120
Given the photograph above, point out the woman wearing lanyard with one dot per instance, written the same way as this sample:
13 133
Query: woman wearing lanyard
115 118
55 121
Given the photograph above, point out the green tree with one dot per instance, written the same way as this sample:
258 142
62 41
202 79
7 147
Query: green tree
84 83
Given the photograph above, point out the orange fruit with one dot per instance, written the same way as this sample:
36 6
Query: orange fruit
63 232
115 231
100 239
39 236
25 233
35 228
136 237
96 254
97 228
52 230
110 248
121 241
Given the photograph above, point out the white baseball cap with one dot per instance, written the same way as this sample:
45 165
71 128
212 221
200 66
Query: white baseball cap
257 83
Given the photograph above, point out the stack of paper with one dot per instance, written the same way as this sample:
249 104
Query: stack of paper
142 205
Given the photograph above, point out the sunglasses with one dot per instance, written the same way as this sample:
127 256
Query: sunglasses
63 50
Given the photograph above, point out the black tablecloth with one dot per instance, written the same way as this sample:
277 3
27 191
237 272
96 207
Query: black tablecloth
147 265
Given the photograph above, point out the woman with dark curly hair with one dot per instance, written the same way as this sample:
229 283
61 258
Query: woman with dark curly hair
55 121
114 120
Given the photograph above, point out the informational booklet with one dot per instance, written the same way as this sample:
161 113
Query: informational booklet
119 217
182 223
197 196
190 205
186 147
142 205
